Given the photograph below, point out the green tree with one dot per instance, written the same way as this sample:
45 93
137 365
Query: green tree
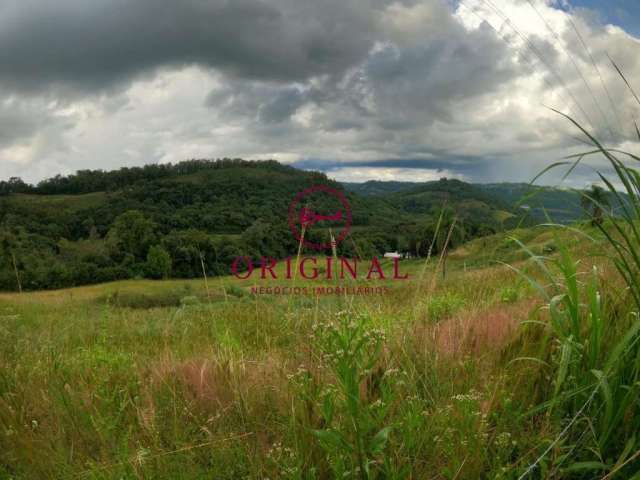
593 201
132 233
188 249
158 263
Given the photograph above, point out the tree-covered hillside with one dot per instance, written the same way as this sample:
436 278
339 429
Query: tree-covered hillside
178 220
562 205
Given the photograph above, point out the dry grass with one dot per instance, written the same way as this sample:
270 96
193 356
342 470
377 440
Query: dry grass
476 332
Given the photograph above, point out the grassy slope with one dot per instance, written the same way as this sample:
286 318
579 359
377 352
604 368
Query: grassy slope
92 387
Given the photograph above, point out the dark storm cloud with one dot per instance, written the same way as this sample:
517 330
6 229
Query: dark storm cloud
393 89
282 106
420 83
267 103
91 45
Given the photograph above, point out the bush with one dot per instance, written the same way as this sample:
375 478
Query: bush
158 263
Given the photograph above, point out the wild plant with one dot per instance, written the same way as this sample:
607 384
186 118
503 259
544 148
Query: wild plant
348 408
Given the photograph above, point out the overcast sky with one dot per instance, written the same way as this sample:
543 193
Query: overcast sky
361 89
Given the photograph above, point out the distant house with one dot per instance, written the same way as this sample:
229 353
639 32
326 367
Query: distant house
392 255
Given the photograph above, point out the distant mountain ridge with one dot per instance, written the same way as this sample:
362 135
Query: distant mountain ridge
563 205
379 187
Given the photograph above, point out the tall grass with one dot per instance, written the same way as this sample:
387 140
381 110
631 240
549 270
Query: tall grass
591 346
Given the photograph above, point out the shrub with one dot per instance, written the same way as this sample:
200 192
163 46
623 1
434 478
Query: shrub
158 263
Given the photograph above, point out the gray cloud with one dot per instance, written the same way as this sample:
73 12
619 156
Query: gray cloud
30 122
17 123
282 106
91 45
421 83
395 88
267 103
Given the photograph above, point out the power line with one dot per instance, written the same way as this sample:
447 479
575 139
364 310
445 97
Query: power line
575 65
500 35
538 54
595 65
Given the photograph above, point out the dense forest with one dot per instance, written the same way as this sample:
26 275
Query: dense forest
178 220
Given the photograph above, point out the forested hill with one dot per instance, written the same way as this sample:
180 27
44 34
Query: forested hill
90 181
160 220
562 205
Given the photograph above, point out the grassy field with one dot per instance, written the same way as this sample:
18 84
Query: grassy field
437 378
